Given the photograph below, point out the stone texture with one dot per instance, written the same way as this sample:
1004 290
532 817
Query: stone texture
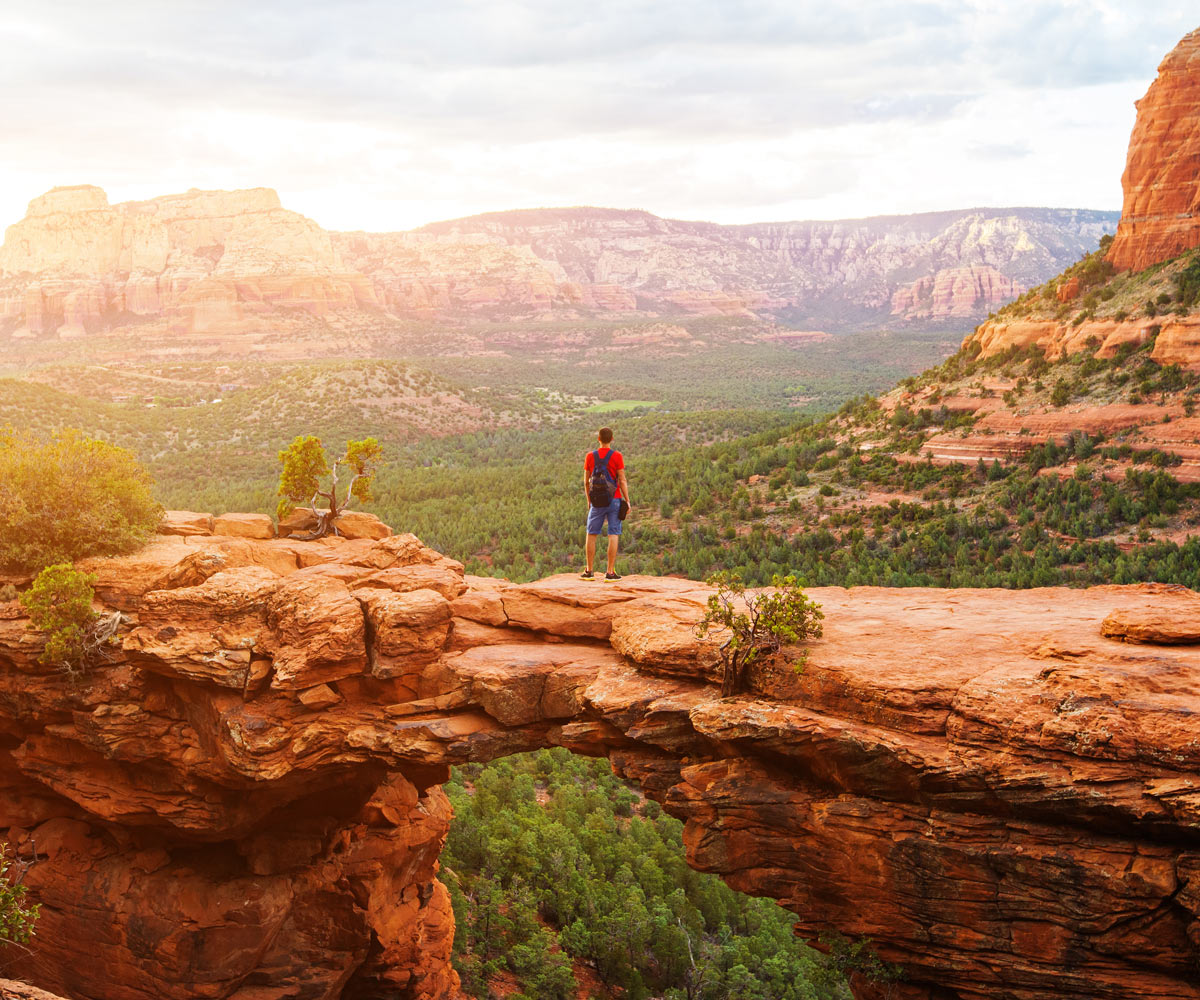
235 268
359 524
185 522
997 787
1160 217
10 990
955 292
244 526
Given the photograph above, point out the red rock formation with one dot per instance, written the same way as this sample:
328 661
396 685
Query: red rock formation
209 261
1177 338
246 805
1067 290
954 292
1160 218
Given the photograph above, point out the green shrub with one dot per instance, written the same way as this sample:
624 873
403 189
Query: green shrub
757 626
1187 284
70 497
16 916
60 604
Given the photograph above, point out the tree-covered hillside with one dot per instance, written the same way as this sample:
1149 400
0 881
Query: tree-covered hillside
567 884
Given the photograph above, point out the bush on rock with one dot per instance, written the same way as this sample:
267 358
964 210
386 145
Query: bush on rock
69 497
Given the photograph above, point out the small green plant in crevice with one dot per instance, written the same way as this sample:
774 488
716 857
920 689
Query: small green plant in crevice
17 915
853 959
59 604
757 626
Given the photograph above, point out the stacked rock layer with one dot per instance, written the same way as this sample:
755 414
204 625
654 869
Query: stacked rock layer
1001 789
1160 218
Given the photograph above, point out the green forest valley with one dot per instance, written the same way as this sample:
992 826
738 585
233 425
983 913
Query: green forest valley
566 883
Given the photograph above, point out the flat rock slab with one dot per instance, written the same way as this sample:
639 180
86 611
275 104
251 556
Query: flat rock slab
244 525
1175 626
185 522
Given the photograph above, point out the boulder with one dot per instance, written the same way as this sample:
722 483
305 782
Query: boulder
244 526
185 522
359 524
1172 626
318 633
409 629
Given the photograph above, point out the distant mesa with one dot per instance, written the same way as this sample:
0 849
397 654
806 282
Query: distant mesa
211 266
1160 218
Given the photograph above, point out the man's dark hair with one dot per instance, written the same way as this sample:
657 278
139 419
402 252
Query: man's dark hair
605 435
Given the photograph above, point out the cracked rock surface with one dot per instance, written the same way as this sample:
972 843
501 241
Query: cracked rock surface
1000 788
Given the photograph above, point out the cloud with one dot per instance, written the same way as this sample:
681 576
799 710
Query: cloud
378 112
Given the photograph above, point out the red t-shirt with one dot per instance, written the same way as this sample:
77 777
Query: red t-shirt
615 465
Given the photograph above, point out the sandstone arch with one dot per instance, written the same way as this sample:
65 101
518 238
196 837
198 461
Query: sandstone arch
248 806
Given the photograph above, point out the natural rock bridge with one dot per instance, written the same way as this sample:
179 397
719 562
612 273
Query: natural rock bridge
247 805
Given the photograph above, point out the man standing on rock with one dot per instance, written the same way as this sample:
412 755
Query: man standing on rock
607 493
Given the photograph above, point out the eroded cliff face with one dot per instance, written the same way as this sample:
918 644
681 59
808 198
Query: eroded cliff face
1160 218
204 261
995 786
211 264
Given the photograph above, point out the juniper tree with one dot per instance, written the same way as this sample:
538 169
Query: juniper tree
305 465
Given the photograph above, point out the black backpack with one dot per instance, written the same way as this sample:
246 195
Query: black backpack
602 486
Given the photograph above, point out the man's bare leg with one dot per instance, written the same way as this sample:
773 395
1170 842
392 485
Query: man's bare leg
613 542
590 549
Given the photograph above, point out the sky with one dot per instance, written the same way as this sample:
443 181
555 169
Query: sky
387 114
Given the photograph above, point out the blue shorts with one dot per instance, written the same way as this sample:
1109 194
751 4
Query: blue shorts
597 515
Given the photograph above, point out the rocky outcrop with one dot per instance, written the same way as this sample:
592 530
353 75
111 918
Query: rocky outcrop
942 265
1176 338
999 788
208 265
1160 218
204 261
954 292
10 990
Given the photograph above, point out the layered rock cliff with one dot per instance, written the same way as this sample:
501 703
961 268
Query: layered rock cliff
1160 218
204 261
1001 788
214 263
890 269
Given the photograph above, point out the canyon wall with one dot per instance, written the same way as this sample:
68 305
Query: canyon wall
1002 789
215 263
833 274
1160 218
204 261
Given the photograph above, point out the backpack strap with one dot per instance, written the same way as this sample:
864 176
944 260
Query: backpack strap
601 465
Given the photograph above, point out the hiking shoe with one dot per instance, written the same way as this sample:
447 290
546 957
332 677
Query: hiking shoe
611 577
587 574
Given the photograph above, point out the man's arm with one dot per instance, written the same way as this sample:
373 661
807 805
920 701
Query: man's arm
624 487
585 488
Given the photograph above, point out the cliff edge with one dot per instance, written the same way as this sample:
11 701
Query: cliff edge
1000 788
1160 217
